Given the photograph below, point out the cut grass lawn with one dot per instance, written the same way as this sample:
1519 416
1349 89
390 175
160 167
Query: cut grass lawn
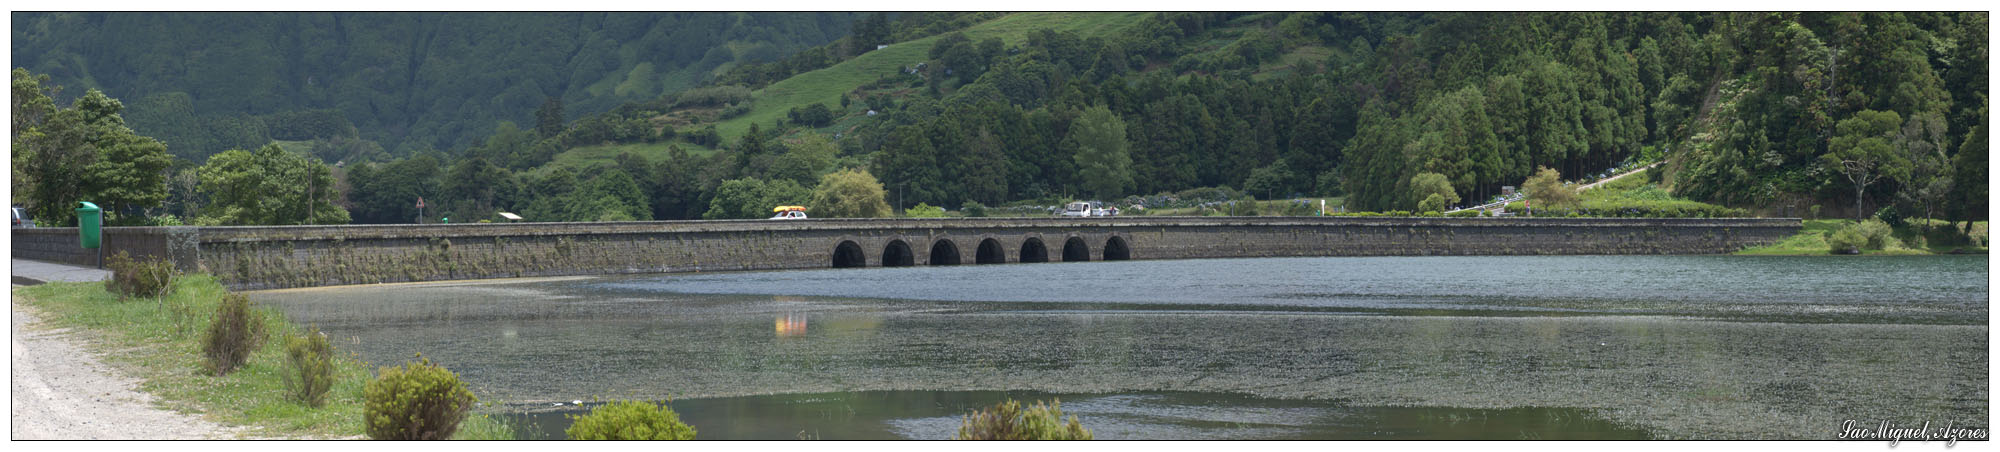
158 341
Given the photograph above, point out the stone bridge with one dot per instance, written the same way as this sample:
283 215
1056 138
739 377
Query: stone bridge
268 257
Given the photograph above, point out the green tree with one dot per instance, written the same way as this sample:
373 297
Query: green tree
81 153
614 196
1271 180
549 118
805 159
1432 188
1863 151
268 186
751 198
1546 188
476 189
1922 141
1103 157
1968 178
848 194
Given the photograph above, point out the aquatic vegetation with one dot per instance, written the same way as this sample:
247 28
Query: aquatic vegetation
1007 421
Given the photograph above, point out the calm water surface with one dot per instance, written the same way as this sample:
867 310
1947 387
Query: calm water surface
1337 347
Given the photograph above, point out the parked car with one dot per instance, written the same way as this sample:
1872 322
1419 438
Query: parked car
1076 209
21 219
789 213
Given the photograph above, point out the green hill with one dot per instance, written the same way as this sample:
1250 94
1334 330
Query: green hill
206 82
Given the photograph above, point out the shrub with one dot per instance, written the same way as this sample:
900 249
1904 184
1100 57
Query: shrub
1847 240
1547 190
151 278
1877 233
415 401
1813 211
311 367
1466 213
1890 216
972 209
629 420
1431 204
1007 421
923 210
232 335
1301 208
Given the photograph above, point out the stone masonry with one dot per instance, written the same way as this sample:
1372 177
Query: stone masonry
270 257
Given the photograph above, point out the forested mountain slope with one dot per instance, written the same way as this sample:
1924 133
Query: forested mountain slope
206 82
1765 112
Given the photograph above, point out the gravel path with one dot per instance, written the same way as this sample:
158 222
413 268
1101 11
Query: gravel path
63 392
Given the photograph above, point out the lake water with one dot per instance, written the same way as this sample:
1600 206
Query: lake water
1408 347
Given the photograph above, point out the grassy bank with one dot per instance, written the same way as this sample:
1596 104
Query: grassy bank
158 342
1811 240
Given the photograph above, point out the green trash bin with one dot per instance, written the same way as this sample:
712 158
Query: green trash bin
90 228
90 224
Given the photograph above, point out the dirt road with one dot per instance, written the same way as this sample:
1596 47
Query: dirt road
61 391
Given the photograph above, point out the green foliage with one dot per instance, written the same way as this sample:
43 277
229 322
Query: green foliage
394 83
1547 190
1888 215
416 401
1878 234
1863 152
629 421
81 153
231 336
848 194
1847 240
922 210
750 198
149 278
1103 160
1434 190
1433 204
1007 421
310 372
972 209
269 186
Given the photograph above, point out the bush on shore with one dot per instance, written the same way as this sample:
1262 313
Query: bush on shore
415 401
310 372
629 420
232 335
149 278
1007 421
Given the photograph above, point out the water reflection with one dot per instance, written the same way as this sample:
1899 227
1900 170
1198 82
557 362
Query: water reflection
1143 415
1633 338
791 324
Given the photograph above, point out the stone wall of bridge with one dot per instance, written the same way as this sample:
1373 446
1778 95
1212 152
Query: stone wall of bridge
268 257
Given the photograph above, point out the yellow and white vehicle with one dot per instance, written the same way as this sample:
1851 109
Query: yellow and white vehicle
789 213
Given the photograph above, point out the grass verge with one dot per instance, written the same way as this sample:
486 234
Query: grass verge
158 342
1811 241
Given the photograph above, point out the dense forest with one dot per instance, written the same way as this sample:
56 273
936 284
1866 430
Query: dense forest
208 82
1768 112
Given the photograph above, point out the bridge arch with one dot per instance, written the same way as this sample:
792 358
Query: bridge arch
848 255
1115 249
990 253
1032 250
1074 250
943 252
897 254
